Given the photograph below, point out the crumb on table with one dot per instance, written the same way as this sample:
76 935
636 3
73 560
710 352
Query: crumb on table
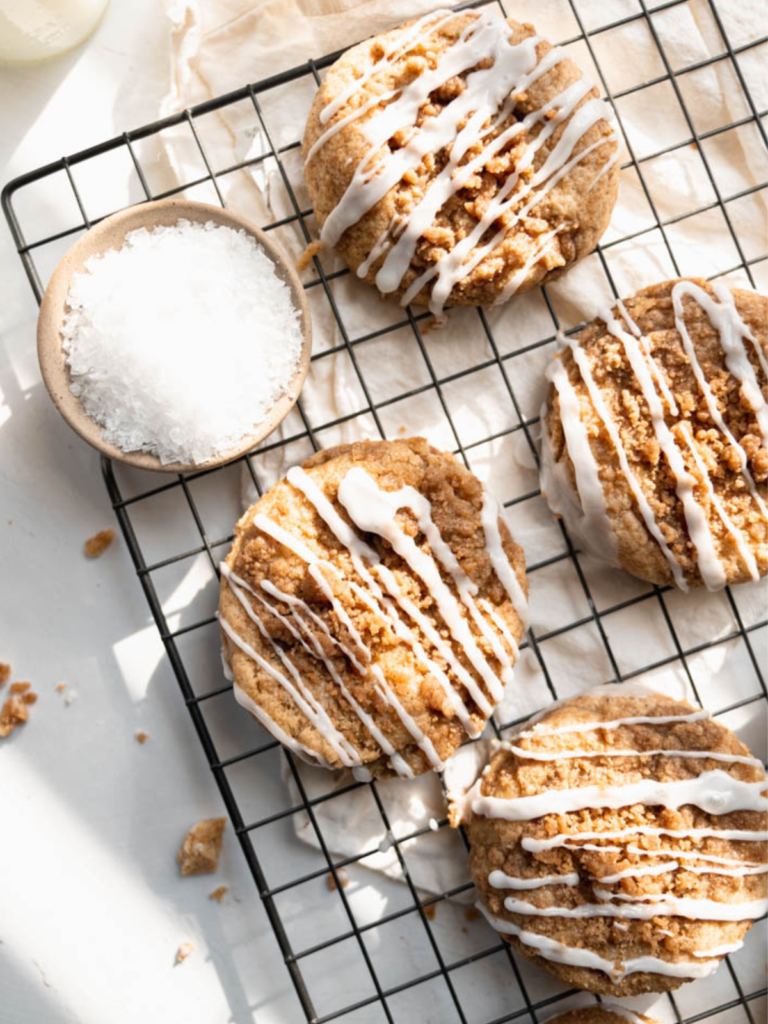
311 251
5 673
471 913
99 543
61 687
70 697
342 876
30 698
20 687
14 712
219 894
184 951
201 848
429 911
142 737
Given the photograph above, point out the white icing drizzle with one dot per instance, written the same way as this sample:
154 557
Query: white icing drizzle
361 552
640 872
298 748
689 855
301 695
606 166
482 38
724 323
272 529
708 562
728 947
500 624
486 97
611 723
738 537
373 511
229 675
316 650
582 361
500 880
646 908
658 371
575 956
729 834
740 869
732 329
588 517
566 755
715 792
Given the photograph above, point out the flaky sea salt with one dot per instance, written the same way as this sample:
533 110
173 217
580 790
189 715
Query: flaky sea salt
180 342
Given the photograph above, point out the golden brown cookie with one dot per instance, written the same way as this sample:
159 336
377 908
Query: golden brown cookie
619 842
655 435
459 159
605 1014
371 607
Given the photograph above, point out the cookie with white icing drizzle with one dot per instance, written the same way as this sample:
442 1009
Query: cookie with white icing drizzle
620 841
607 1013
459 159
655 435
371 608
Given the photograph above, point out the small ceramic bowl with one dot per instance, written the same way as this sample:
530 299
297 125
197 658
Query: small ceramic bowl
109 234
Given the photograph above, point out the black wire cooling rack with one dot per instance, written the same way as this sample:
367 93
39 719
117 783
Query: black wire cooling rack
390 998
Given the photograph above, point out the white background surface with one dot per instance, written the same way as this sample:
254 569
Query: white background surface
92 908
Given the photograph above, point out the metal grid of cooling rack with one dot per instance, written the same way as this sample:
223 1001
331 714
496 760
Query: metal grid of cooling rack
381 1002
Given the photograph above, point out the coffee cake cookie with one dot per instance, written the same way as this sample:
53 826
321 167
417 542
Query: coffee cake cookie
459 159
371 607
655 435
619 842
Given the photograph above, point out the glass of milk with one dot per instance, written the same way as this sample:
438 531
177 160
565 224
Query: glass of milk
34 30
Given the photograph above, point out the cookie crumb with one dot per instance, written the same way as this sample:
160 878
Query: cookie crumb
184 950
30 698
70 697
430 324
61 687
99 543
429 911
471 913
20 687
13 713
218 894
309 253
201 848
343 879
142 737
5 673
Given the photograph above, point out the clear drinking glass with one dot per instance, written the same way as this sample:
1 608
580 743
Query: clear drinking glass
34 30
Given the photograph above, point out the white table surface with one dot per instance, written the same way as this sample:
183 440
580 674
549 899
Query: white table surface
92 908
